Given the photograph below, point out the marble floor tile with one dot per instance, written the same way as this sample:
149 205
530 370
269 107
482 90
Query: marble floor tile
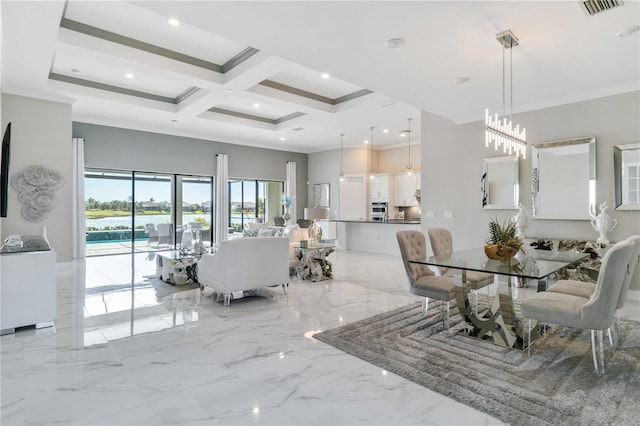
118 355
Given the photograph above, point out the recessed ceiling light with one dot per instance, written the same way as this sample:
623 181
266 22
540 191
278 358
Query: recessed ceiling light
366 141
403 135
628 31
281 138
394 43
256 105
129 75
326 75
173 22
229 90
75 70
462 80
385 131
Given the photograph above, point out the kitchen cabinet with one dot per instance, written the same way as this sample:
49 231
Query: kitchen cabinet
404 189
353 198
381 188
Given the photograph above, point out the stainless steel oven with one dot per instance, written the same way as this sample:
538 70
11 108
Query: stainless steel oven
379 211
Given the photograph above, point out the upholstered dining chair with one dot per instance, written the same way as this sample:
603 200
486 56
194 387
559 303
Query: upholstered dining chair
442 244
595 313
584 289
421 279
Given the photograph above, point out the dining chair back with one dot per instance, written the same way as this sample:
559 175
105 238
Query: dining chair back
421 279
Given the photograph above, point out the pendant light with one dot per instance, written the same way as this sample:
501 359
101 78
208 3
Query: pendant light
371 172
409 165
341 152
501 132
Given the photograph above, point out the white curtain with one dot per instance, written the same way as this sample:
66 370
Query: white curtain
290 189
222 198
78 227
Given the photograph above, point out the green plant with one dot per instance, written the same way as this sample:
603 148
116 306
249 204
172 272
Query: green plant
503 233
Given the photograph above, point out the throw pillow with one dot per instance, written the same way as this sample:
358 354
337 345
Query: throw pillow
246 233
265 232
278 231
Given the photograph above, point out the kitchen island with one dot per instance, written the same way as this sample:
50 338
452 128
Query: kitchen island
373 236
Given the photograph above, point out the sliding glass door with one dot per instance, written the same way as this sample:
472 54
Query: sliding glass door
141 211
108 211
154 213
253 201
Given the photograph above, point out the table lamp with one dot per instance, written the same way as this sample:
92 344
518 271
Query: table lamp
315 213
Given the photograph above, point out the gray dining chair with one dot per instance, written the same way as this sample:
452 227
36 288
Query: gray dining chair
584 289
442 244
595 313
422 280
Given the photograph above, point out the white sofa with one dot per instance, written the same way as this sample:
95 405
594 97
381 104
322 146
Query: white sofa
246 264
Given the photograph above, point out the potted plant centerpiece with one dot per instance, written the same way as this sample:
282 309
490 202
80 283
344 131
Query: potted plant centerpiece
502 243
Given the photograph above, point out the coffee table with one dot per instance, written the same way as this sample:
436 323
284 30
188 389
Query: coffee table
176 268
314 265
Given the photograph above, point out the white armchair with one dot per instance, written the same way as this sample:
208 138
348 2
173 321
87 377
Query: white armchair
246 264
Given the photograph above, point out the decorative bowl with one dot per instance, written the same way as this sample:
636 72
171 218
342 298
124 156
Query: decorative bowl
500 251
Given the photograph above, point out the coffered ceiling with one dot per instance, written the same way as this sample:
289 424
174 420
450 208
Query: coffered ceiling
251 72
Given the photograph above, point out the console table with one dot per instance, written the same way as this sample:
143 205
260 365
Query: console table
28 285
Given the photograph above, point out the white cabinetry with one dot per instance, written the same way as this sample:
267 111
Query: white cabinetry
353 198
28 290
381 188
404 189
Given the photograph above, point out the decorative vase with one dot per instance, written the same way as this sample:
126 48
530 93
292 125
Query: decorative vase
500 251
286 216
521 220
604 223
187 242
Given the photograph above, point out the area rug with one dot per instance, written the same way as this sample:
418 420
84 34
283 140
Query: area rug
556 385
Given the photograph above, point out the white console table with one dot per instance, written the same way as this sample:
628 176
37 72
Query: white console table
27 289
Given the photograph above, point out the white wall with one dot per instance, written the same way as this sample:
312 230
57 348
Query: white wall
452 157
40 135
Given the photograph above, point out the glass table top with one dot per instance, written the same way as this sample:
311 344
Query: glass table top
530 263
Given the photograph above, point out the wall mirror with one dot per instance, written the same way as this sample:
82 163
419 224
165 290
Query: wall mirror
563 181
500 183
321 195
626 176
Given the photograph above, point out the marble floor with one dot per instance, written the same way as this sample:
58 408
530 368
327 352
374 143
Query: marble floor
121 354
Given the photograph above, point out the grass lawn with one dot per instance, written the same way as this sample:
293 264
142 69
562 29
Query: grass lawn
99 214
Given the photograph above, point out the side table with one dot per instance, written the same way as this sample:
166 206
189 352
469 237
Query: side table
314 265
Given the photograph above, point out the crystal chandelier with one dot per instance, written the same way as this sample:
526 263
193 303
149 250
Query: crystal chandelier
501 132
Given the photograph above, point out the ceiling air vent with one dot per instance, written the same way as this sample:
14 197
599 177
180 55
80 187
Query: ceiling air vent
593 7
297 129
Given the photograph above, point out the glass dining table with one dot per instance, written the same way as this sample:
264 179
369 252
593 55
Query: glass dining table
500 320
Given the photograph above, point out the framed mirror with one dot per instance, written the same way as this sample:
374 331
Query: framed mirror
626 176
500 183
563 181
321 195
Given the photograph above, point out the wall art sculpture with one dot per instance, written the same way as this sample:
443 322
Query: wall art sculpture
36 186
